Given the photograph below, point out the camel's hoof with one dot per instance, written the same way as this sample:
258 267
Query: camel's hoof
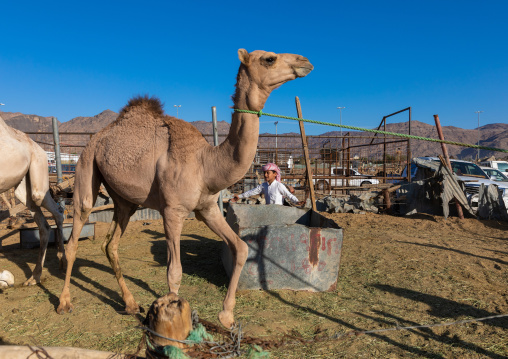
65 308
30 282
132 309
227 319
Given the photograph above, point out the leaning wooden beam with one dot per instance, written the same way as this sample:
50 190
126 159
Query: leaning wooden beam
65 186
102 208
16 209
6 201
447 159
314 216
306 154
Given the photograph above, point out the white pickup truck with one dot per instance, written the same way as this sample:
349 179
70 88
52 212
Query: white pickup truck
345 177
499 165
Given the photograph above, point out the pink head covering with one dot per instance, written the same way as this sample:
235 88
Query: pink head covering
272 167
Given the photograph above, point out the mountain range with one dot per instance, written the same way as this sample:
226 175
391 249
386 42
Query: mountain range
491 135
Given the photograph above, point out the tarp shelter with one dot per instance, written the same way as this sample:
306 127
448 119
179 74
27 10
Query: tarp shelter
432 189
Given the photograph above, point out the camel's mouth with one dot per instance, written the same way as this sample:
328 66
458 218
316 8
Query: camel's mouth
303 71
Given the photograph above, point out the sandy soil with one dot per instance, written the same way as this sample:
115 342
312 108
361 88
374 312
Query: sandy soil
394 272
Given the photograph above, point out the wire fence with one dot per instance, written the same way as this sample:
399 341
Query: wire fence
351 163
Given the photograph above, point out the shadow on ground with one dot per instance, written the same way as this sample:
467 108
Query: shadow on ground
109 296
439 307
456 251
199 257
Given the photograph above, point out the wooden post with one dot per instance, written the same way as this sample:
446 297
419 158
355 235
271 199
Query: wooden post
447 159
306 155
387 200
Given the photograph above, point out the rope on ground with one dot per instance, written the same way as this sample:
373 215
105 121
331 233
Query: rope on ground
39 352
232 348
465 321
260 113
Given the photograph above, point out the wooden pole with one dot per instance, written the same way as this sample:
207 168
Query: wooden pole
306 155
447 159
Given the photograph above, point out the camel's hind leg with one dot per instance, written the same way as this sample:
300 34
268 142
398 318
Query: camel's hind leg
86 189
24 194
123 212
55 210
39 193
214 219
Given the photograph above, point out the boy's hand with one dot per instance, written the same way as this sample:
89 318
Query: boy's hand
235 198
301 203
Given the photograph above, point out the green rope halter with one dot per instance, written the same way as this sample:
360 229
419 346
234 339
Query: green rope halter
260 113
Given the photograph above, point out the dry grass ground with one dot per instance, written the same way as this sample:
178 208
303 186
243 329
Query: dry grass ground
394 271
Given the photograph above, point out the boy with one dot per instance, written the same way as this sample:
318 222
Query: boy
273 190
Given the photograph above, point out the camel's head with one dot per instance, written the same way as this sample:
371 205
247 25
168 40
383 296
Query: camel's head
170 316
268 70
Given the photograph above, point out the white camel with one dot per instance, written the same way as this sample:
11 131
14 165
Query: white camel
24 165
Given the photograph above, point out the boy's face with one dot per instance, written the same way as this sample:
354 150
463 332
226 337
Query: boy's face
270 176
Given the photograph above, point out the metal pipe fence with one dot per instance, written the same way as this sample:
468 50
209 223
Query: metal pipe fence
340 165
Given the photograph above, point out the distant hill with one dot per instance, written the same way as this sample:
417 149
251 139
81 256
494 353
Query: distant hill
492 135
89 124
28 123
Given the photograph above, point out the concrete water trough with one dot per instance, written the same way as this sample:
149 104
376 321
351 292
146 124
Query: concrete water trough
285 251
29 237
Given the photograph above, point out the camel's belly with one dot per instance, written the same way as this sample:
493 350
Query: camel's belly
134 190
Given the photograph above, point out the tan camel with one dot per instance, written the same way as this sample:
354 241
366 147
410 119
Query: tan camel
150 159
24 165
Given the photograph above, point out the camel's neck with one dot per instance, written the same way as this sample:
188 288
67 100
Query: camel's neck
229 161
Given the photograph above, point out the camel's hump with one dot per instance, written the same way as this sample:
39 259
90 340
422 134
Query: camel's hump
151 104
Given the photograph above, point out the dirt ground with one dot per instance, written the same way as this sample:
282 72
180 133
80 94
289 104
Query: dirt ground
412 271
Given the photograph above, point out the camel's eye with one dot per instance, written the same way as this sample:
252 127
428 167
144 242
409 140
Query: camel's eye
270 60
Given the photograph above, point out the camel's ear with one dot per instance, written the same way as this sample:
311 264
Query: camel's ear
243 55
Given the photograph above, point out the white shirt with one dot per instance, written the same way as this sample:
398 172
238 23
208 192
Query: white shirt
273 192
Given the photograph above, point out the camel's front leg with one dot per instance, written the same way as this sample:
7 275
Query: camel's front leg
173 223
214 219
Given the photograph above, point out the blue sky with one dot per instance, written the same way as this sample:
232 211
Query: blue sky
76 58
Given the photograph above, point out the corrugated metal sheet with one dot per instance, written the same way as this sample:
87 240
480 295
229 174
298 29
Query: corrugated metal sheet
141 214
29 237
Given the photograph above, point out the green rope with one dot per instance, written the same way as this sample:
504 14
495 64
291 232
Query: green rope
199 334
174 352
169 351
259 113
256 352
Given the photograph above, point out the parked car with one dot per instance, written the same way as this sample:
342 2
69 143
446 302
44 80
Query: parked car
347 176
500 165
66 168
471 175
495 174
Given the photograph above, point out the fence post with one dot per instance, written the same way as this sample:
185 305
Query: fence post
58 158
216 143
